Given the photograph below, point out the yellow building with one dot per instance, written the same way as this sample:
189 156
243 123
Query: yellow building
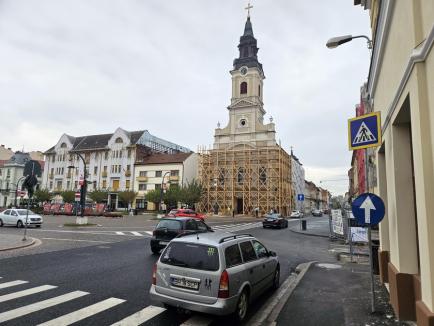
401 87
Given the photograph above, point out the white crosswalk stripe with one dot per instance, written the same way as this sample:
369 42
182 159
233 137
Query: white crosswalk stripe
120 233
24 293
141 316
137 234
19 312
83 313
13 283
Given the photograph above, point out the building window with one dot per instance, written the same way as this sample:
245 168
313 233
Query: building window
94 185
174 173
129 153
95 170
259 90
158 174
75 184
263 175
243 88
68 184
106 155
127 184
51 184
63 145
142 186
119 140
104 184
59 185
240 175
143 173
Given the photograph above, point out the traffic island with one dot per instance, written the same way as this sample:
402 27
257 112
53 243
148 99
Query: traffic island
12 241
79 225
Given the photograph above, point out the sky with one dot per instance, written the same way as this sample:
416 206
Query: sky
85 67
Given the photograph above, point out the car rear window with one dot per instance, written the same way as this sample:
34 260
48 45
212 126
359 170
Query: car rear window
169 224
191 255
233 256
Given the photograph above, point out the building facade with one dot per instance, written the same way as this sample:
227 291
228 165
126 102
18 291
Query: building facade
298 182
246 169
109 159
153 171
311 197
400 86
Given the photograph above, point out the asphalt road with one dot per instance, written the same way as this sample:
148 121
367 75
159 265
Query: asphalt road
117 266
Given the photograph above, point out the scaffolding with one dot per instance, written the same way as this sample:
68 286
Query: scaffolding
241 179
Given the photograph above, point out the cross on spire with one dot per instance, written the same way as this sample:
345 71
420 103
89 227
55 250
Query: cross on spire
249 6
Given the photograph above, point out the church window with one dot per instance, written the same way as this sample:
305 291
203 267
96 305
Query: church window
240 175
243 123
263 175
259 90
119 140
243 88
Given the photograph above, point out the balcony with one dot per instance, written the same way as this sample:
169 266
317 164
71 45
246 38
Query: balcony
174 178
127 173
104 174
143 179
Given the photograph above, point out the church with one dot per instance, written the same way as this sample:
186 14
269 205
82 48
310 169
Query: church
246 170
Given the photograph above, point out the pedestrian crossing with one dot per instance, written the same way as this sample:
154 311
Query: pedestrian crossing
48 307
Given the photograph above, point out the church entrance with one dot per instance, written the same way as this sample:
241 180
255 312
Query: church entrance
239 205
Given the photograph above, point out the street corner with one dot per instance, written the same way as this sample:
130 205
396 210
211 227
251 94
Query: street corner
13 242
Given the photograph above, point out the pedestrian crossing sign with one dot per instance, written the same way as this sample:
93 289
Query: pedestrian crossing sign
364 131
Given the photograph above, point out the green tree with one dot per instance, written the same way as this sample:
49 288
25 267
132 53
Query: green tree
172 196
191 193
127 196
98 195
42 195
68 196
153 196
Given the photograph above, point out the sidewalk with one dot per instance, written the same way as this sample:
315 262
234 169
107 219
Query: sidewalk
12 241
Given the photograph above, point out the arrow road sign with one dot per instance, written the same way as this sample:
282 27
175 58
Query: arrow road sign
364 131
368 209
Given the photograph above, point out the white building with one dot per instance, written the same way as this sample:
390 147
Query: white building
298 182
167 169
109 159
11 177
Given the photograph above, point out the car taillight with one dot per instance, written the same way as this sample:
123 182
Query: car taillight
154 274
224 285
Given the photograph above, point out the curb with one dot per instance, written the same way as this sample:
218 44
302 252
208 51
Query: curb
33 241
275 304
310 234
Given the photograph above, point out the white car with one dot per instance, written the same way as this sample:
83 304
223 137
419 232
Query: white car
18 217
296 214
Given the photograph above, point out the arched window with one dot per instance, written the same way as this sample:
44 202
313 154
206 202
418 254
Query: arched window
240 175
63 145
119 140
259 90
243 88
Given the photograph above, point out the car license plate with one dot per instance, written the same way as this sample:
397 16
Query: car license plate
184 283
270 220
164 243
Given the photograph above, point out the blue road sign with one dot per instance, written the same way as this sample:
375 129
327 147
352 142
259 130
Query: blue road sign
300 197
368 209
364 131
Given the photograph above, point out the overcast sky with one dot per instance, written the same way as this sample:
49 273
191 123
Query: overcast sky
89 66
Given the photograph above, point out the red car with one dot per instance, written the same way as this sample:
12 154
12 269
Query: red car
185 212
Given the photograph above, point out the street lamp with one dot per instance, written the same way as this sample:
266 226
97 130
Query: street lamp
161 189
339 40
83 187
16 189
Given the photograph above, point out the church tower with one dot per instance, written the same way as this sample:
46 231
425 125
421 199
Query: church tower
246 111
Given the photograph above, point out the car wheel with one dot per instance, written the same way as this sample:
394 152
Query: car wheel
1 222
242 306
20 224
276 279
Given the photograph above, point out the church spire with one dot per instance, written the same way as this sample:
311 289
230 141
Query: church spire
248 47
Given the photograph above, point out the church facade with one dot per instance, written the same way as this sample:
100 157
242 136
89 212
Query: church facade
246 170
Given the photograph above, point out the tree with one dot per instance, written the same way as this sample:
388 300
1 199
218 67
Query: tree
127 196
42 195
172 196
191 193
68 196
98 195
153 196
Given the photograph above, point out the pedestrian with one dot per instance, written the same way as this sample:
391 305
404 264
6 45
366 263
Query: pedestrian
256 211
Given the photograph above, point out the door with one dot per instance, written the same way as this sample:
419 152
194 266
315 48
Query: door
239 206
6 217
266 263
252 271
115 185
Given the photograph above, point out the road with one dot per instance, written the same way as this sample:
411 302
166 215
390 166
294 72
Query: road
109 268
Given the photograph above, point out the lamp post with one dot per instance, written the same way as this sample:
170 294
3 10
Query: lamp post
331 44
161 189
83 187
16 189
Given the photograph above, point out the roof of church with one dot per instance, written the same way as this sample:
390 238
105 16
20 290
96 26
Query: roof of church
248 49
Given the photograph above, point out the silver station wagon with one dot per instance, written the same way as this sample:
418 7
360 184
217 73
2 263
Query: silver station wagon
217 273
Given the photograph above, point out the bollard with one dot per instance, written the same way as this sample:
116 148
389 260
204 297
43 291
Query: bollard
303 225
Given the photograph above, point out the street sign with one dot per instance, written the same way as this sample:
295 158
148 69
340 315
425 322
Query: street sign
77 196
300 197
364 131
368 209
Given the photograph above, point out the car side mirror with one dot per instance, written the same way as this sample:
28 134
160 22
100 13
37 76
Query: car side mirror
272 254
209 229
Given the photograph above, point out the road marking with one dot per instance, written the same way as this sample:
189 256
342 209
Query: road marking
137 234
24 293
19 312
197 320
140 317
83 313
76 240
149 232
120 233
13 283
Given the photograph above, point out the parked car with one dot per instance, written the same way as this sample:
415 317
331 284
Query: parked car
169 228
218 273
274 221
17 217
296 214
316 212
185 212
